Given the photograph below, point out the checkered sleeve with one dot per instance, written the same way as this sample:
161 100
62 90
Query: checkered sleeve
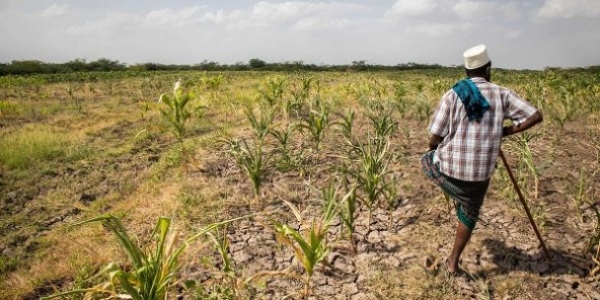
517 109
441 117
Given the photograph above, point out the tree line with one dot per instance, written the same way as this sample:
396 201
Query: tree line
29 67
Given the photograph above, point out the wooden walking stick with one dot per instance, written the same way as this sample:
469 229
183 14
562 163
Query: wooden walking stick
514 181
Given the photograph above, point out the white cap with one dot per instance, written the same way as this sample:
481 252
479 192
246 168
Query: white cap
476 57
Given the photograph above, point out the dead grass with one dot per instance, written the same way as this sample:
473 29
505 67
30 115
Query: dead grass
143 177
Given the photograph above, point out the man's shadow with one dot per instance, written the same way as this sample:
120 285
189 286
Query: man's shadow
509 259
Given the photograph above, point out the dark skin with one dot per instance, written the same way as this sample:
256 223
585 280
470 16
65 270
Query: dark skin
463 233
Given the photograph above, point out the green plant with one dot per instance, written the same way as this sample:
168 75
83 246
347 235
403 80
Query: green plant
316 123
29 147
346 124
564 109
153 268
72 90
8 109
383 123
400 92
273 89
177 109
284 136
300 93
371 173
310 248
579 191
251 160
261 123
527 167
7 265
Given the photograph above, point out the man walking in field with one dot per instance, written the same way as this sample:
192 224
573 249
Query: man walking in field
466 133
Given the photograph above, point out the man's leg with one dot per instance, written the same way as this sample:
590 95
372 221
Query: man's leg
463 235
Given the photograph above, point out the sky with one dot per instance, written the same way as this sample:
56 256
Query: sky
526 34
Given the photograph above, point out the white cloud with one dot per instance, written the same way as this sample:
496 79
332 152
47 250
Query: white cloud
488 10
470 9
438 29
318 24
56 10
175 17
110 24
412 8
569 9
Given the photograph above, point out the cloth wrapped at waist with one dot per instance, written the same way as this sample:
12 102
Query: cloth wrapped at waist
468 196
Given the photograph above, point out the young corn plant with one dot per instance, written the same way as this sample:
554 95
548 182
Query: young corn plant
213 83
400 93
284 137
316 123
177 108
346 124
154 267
310 247
261 123
273 89
383 123
527 166
235 285
251 160
372 172
300 93
563 110
580 191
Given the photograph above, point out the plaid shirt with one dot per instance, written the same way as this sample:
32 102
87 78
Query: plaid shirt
469 149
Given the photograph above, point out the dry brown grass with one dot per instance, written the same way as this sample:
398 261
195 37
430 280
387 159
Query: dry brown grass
206 187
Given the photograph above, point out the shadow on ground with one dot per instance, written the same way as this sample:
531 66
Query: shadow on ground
508 259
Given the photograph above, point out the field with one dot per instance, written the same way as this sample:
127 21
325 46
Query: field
284 186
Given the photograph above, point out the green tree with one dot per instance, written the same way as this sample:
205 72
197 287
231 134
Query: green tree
256 63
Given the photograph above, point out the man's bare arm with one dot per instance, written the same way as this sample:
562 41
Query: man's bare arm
534 119
434 141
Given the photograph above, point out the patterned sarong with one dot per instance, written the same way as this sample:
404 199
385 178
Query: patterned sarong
468 196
